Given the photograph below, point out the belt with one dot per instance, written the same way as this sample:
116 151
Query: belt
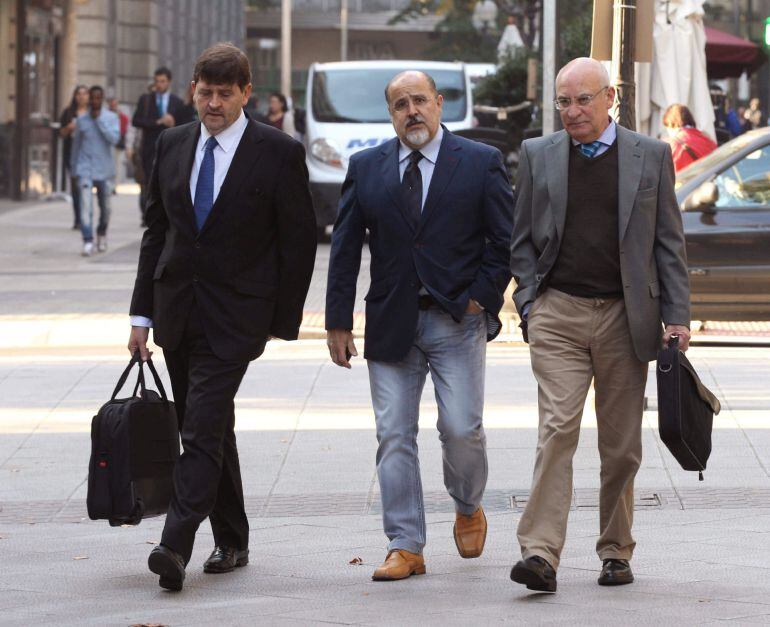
426 301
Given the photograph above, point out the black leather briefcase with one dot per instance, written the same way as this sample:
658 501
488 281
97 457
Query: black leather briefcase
134 446
686 409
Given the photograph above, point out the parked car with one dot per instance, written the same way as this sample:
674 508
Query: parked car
725 202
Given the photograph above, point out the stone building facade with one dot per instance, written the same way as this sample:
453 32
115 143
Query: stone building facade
49 46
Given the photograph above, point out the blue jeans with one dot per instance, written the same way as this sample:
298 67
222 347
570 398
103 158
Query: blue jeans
454 354
103 192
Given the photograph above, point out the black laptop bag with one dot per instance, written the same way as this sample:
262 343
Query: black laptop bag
134 446
686 409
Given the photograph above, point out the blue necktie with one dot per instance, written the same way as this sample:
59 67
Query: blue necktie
159 103
204 188
589 150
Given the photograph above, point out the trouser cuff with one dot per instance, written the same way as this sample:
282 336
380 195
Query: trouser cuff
405 545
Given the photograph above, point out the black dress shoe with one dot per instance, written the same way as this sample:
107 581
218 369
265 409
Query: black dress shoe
224 559
535 573
616 573
169 565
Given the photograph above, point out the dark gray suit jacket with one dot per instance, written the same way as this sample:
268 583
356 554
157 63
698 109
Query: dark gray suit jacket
653 262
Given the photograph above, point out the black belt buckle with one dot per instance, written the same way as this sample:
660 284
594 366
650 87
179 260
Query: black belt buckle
425 301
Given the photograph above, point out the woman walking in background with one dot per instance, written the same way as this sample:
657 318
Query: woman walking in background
688 144
77 106
279 115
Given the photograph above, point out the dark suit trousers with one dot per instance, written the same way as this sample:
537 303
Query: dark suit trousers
207 477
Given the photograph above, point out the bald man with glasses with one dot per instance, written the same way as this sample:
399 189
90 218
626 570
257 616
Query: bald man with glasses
599 260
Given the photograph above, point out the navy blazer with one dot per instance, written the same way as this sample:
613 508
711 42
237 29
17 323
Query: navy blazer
459 250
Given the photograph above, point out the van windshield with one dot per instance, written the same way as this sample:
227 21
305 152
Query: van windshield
358 95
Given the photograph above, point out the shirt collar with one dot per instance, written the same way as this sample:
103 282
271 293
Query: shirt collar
429 151
607 137
227 139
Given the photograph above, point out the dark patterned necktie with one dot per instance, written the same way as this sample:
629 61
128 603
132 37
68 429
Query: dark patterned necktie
204 188
412 186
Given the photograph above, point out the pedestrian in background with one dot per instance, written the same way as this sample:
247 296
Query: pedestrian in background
187 113
78 106
687 142
438 210
155 112
753 115
120 147
278 114
225 264
96 132
252 109
598 256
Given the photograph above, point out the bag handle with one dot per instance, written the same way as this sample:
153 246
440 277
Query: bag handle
666 357
140 381
122 381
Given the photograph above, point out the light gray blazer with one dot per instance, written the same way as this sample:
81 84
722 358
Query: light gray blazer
653 263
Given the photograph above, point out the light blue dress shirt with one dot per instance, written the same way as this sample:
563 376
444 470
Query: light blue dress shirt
427 164
92 144
606 139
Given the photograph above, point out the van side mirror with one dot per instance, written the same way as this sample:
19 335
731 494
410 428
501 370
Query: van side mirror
704 198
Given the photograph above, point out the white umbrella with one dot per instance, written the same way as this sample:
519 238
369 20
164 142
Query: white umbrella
677 73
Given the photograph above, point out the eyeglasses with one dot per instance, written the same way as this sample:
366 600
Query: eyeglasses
582 100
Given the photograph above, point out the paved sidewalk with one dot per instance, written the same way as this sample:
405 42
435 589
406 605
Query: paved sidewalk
305 432
51 297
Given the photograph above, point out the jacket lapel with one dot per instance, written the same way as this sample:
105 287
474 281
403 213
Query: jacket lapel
449 156
187 157
244 160
630 163
392 178
557 168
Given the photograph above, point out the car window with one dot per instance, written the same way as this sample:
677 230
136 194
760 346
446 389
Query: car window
357 95
746 183
724 152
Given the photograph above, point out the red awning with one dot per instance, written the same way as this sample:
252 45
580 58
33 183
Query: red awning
728 56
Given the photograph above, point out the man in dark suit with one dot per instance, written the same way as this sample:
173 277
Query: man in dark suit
225 264
155 112
438 210
598 256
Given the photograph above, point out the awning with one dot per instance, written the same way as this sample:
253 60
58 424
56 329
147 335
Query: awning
728 56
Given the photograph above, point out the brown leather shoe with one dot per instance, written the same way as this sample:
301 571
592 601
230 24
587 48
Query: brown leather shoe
470 533
400 564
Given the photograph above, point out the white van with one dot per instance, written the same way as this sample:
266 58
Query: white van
346 112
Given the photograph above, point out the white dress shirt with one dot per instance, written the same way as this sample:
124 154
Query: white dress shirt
427 164
227 143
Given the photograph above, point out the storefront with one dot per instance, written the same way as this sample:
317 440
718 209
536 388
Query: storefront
31 36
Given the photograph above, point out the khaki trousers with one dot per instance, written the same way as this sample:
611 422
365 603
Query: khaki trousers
572 341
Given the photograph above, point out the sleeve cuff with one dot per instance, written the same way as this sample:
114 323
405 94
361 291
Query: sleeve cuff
140 321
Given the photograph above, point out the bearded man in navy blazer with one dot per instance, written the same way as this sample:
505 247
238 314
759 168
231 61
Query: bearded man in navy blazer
438 209
225 264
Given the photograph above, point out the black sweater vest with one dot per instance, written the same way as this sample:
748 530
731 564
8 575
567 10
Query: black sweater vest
588 263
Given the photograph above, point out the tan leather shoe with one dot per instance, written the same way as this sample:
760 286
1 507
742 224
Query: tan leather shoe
400 564
470 533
